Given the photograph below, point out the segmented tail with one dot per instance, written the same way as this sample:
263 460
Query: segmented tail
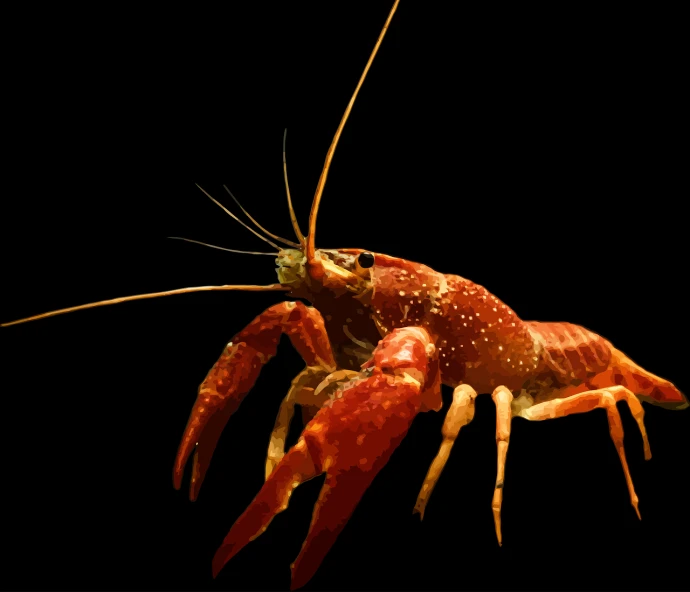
647 386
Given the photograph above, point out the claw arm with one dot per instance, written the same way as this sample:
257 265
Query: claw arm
235 373
350 439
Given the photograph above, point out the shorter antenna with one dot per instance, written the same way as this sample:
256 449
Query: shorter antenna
229 213
293 218
246 213
189 240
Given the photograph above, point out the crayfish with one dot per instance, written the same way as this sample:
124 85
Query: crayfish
381 336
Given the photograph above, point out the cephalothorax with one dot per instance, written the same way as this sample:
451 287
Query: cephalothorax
380 338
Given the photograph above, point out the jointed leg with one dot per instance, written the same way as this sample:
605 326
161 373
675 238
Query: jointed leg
310 389
460 413
620 393
502 398
601 398
307 380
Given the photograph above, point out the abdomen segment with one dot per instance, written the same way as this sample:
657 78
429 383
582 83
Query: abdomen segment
572 353
575 355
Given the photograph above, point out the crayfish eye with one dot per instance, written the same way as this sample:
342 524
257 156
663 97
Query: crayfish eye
365 260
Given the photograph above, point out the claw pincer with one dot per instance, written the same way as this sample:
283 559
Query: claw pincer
235 373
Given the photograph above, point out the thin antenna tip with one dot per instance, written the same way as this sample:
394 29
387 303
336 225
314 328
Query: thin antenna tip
191 240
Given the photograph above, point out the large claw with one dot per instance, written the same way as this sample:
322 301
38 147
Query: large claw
235 373
350 439
219 397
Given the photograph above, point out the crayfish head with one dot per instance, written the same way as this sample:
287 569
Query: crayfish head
291 268
337 270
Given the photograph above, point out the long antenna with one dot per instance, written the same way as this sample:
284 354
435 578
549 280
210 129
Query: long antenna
293 218
311 249
269 288
246 213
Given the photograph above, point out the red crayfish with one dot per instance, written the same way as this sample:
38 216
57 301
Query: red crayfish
381 337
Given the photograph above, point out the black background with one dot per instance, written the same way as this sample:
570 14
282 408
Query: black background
538 154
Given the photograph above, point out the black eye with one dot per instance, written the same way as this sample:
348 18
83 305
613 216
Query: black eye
365 260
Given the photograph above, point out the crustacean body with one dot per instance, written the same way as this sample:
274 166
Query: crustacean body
436 329
381 336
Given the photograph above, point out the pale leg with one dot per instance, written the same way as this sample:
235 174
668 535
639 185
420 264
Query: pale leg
460 413
502 398
600 398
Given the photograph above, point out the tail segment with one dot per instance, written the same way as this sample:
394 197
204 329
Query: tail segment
647 386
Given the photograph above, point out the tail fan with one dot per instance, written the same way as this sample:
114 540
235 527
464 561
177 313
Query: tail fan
647 386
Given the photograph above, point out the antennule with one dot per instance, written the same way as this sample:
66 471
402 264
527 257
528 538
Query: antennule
189 240
229 213
246 213
311 249
293 218
269 288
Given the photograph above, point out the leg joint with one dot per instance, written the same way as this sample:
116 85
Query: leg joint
464 391
503 436
608 400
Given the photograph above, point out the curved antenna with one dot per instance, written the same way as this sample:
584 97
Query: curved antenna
293 218
229 213
269 288
311 250
246 213
189 240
